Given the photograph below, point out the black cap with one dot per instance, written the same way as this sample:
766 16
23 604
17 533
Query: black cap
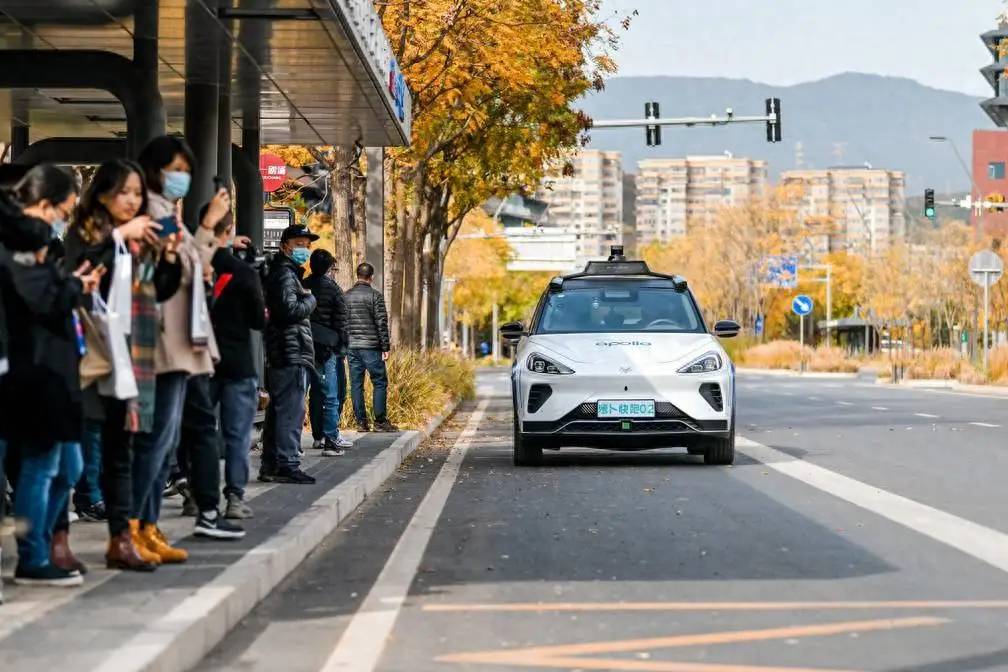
297 231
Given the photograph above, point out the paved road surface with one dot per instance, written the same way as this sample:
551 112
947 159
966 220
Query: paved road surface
861 528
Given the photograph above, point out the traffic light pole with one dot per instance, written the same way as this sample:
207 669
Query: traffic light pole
653 121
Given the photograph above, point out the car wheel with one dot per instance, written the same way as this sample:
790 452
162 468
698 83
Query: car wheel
721 451
524 453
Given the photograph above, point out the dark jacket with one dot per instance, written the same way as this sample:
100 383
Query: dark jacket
288 305
40 396
369 328
238 309
330 319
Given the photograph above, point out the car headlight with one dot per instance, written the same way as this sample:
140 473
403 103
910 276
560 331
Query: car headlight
539 364
706 363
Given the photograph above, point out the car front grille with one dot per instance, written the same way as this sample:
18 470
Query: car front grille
589 410
712 393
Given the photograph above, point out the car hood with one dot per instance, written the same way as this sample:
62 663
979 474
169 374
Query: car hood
633 347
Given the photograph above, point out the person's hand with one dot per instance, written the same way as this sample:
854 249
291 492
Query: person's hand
220 206
384 356
171 246
89 277
140 228
242 242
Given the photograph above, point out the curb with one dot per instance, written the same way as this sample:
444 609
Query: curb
789 373
185 635
992 391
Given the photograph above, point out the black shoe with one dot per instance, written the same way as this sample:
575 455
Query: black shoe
46 575
293 475
175 486
266 475
385 426
216 527
92 513
363 427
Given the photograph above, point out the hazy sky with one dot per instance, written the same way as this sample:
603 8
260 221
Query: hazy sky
785 42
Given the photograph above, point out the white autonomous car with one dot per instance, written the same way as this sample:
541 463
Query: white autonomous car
620 357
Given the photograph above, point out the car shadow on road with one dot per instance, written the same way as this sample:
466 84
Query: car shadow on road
576 457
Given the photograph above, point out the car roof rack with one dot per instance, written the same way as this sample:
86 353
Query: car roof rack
617 265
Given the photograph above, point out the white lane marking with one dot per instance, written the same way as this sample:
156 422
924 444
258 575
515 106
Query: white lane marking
879 408
983 543
984 424
815 398
926 415
362 643
786 394
844 403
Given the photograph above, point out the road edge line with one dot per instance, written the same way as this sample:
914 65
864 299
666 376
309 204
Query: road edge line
181 638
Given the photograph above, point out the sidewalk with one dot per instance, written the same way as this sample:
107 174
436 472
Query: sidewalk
167 621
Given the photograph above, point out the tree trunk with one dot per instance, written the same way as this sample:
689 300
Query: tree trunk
398 250
342 197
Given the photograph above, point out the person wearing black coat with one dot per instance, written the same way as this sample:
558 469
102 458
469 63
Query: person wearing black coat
368 349
330 335
290 354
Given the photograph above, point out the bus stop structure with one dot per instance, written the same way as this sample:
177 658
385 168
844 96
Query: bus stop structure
82 81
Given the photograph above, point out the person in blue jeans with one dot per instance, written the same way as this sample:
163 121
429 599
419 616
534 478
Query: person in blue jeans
330 336
238 309
369 348
87 497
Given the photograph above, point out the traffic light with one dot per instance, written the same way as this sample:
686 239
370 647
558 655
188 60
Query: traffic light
652 134
929 204
773 128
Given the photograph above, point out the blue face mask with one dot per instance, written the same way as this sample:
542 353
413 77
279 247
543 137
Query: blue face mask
176 184
59 227
300 255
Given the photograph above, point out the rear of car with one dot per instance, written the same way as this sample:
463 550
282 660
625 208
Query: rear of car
619 357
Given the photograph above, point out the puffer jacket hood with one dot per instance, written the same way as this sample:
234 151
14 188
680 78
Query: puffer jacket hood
289 306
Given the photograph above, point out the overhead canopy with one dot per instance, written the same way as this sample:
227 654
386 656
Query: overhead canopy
317 71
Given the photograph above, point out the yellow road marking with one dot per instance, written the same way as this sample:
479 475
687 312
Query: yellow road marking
714 606
569 655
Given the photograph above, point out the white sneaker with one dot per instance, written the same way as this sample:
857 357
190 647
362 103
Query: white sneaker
343 443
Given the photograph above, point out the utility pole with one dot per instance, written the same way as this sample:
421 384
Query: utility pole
652 122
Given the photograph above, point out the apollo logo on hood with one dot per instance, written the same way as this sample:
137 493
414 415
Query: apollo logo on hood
613 344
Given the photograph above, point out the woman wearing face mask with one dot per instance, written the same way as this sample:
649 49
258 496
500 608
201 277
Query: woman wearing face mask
41 420
167 163
114 207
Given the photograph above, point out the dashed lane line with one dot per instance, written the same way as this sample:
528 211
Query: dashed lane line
880 408
984 424
844 403
362 643
978 541
927 415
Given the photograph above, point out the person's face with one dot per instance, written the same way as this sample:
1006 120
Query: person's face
50 213
301 241
179 164
124 205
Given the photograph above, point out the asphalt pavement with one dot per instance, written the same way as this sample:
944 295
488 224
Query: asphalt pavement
862 527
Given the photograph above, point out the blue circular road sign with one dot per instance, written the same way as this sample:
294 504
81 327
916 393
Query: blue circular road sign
802 305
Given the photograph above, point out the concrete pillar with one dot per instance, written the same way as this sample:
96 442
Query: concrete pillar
224 108
248 182
374 231
145 120
19 140
202 41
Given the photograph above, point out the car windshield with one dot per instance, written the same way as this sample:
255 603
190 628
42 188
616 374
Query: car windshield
625 306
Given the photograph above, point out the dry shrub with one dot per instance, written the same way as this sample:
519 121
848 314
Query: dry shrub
420 383
832 359
997 365
939 363
772 355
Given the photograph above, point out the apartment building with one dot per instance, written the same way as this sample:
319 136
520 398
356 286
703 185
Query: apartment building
587 202
673 194
859 209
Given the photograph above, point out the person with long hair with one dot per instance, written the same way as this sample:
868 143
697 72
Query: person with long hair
184 362
41 393
114 207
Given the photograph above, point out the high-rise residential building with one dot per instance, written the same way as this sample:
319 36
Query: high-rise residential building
673 194
856 208
587 201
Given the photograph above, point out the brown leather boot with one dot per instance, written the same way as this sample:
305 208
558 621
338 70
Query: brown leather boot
138 543
61 555
122 554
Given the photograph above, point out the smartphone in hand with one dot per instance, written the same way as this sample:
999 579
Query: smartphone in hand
169 225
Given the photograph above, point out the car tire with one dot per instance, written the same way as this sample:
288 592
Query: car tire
722 451
524 453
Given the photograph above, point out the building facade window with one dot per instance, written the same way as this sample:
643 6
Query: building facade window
996 170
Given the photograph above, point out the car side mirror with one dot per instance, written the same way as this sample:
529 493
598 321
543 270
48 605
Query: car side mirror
512 331
727 329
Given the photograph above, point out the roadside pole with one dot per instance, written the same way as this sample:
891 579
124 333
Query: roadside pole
496 336
986 343
986 268
829 302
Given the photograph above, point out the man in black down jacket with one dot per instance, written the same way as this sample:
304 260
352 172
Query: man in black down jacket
369 348
329 332
289 354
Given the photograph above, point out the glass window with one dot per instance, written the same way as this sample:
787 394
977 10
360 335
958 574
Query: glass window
996 170
622 306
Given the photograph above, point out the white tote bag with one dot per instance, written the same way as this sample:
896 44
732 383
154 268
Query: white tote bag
120 296
121 383
199 315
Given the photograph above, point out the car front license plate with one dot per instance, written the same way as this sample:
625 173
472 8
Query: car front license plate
626 408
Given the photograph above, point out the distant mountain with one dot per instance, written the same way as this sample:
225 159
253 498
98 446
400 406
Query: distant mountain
885 121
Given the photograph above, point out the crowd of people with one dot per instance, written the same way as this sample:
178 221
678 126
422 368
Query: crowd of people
128 364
